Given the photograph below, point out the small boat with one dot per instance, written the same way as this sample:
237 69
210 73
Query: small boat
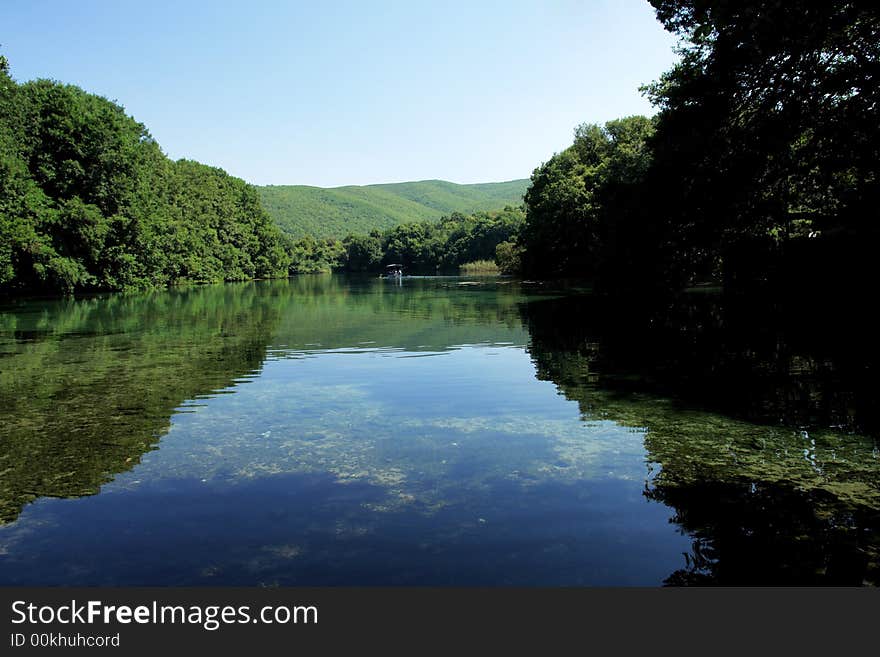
393 272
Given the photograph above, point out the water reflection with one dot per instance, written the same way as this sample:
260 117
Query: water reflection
88 386
783 485
416 434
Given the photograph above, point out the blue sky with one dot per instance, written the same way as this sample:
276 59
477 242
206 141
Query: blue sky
333 93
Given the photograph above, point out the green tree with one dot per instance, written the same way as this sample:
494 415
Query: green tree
577 199
508 257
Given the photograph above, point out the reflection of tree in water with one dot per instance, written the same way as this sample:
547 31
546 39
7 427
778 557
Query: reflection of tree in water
796 364
762 427
88 386
747 533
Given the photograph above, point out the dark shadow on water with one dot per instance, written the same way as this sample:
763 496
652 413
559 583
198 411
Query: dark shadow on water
782 361
759 534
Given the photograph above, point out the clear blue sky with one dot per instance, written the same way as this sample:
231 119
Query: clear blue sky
333 93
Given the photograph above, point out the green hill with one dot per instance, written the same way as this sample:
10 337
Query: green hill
301 210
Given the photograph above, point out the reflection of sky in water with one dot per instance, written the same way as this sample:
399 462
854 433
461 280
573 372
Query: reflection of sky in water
328 467
352 415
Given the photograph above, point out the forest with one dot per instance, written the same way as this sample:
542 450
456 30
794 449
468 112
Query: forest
426 247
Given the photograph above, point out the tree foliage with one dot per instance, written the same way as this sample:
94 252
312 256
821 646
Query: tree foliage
314 256
575 201
766 145
453 241
421 247
89 201
768 125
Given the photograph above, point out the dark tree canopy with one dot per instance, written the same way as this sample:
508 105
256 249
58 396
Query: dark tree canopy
769 123
765 155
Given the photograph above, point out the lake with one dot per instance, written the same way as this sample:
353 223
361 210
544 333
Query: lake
325 430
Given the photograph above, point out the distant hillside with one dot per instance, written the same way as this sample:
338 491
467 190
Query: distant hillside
335 212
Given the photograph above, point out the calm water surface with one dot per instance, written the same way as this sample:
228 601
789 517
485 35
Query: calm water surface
324 431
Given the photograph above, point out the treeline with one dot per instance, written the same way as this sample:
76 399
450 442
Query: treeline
763 162
89 201
422 248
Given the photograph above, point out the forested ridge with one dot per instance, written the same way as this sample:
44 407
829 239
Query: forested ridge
88 201
319 212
